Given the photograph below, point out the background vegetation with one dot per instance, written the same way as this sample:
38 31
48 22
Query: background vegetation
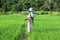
23 5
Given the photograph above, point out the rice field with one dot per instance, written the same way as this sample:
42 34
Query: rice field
11 27
46 27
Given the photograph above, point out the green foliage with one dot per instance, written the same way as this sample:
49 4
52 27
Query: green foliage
20 5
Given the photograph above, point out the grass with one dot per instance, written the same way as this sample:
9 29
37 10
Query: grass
46 27
11 27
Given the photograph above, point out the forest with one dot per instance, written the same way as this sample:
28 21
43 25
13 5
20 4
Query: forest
23 5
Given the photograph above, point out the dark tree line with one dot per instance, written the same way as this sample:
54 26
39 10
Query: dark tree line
21 5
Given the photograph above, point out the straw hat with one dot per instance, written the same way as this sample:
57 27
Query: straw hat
30 9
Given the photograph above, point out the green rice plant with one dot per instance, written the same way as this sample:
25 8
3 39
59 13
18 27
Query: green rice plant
45 27
11 27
